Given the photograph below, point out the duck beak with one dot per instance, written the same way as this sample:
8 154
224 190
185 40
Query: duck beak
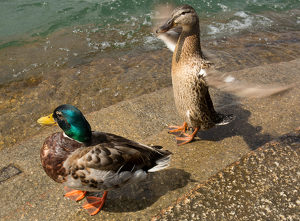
48 120
167 26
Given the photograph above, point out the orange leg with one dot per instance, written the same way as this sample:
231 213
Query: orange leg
94 204
178 130
186 138
75 194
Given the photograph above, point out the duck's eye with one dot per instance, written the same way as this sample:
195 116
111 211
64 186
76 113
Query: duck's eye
58 114
183 13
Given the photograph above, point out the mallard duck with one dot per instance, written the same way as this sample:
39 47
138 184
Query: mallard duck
191 93
192 74
84 160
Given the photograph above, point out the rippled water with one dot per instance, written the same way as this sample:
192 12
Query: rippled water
97 53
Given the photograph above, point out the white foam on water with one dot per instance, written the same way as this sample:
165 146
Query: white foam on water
64 49
243 22
224 7
150 39
119 43
145 22
122 32
16 75
105 44
241 14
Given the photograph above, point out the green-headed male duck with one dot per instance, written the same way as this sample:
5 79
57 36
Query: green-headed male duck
84 160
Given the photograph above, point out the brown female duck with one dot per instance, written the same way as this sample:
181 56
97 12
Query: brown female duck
192 75
84 160
191 93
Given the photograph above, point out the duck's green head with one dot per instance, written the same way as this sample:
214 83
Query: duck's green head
71 121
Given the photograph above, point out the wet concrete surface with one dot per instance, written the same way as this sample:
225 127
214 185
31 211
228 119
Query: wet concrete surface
32 195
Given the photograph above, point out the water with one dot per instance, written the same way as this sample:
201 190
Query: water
69 33
96 53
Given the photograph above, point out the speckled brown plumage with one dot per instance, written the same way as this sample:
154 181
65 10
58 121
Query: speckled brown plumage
85 160
106 152
190 90
192 75
54 152
191 94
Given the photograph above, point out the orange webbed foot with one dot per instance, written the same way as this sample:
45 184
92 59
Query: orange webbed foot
186 138
75 195
178 130
94 204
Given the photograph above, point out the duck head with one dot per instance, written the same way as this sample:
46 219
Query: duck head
184 16
71 121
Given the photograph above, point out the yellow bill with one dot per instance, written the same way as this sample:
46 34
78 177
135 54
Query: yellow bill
48 120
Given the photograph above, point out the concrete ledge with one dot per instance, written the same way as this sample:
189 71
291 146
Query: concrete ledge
263 185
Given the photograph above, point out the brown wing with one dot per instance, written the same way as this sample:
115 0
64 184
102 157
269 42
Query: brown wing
227 83
115 153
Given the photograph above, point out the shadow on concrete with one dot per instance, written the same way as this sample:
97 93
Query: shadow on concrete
238 127
139 196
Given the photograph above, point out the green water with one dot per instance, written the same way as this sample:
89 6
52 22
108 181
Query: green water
76 32
26 21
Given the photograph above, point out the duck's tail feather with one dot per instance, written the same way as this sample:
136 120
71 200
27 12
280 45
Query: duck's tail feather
222 119
160 160
157 147
161 163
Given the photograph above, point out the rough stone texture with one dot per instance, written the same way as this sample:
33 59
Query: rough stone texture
32 195
8 172
262 185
